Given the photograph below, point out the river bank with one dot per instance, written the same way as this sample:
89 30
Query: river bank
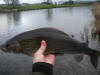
10 8
96 11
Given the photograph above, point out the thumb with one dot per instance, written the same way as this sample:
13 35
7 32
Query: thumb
42 47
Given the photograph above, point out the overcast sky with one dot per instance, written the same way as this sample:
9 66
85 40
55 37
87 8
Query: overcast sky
38 1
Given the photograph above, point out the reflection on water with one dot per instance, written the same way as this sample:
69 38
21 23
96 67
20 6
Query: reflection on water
49 14
96 32
8 25
96 27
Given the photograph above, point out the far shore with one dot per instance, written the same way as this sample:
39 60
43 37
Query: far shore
10 8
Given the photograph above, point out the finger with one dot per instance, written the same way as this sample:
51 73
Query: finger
42 47
38 58
51 58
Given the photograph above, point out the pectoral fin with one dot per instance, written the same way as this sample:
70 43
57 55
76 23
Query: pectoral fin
78 57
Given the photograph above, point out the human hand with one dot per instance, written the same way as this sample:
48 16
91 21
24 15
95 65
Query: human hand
40 57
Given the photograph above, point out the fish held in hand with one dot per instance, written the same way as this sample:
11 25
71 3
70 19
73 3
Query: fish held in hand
58 43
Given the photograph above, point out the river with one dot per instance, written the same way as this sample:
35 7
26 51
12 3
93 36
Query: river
75 21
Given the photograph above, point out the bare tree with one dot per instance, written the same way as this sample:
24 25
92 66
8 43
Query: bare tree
70 1
15 2
49 1
12 2
7 2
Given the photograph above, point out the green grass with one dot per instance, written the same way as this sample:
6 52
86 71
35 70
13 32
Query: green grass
44 6
33 7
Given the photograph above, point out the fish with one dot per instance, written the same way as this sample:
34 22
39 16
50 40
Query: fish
58 43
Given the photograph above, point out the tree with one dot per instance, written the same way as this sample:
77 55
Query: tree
15 2
12 2
7 2
49 1
70 2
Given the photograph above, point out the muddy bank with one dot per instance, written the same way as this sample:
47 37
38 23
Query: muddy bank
19 64
7 10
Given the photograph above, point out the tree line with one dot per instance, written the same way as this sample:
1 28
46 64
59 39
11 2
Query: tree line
16 2
12 2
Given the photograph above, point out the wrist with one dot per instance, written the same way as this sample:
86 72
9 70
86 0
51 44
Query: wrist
43 67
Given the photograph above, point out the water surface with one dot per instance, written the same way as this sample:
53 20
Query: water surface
77 21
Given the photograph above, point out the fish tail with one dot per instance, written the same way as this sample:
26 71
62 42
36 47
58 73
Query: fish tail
94 58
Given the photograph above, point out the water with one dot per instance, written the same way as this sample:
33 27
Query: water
75 21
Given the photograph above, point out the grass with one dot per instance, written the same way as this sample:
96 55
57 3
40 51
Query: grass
7 8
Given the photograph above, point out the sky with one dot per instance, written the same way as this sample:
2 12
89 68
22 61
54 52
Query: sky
39 1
